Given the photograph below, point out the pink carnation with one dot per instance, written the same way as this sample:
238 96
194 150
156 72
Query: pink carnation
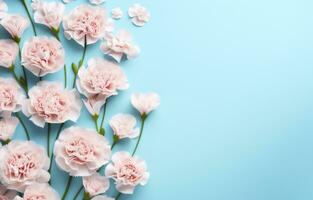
15 24
40 191
119 45
49 103
145 102
96 184
81 151
49 14
22 164
8 52
8 125
43 55
139 14
86 21
11 95
127 171
99 81
124 126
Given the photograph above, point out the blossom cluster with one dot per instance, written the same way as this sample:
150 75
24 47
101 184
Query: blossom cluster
26 166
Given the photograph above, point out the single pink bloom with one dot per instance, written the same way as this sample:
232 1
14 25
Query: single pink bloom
145 102
95 184
11 95
15 24
124 126
8 125
8 52
139 14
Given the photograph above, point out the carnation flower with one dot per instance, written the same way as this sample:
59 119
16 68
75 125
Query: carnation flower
8 52
124 126
49 102
43 55
102 197
49 14
95 184
127 171
139 14
145 102
96 2
6 194
119 45
11 95
15 24
88 22
117 13
99 81
40 191
8 125
81 151
23 164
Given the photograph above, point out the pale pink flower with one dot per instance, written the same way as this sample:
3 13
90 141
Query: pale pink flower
124 126
49 14
117 13
11 95
127 171
85 21
81 151
8 125
96 2
15 24
102 197
6 194
139 14
3 9
119 45
49 102
95 184
8 52
43 55
40 191
99 81
145 102
23 163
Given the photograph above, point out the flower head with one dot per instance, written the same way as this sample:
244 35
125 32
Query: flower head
81 151
99 81
40 191
15 24
22 164
124 126
127 171
85 21
119 45
11 95
8 52
96 184
117 13
145 102
49 103
139 14
8 125
43 55
49 14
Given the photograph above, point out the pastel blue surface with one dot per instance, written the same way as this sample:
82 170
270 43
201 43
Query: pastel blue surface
235 79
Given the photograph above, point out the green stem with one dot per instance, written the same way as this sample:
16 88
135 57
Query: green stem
65 77
69 181
29 16
24 126
48 139
81 61
23 68
52 155
77 193
102 130
95 118
118 196
143 119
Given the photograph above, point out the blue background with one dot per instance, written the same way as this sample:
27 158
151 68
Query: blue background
235 79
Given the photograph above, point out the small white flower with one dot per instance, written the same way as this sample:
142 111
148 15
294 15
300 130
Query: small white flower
139 14
117 13
96 184
145 102
124 126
